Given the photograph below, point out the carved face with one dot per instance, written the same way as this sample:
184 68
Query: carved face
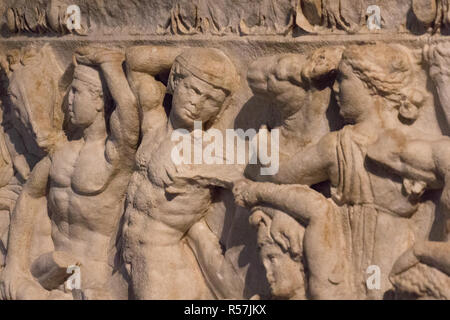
284 274
194 100
351 94
84 104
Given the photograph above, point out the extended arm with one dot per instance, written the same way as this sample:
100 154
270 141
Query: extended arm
314 164
411 158
300 202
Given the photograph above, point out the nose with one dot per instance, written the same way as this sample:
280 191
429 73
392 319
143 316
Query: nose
269 273
269 276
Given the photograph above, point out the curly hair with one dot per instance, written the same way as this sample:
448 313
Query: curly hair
263 223
423 281
387 71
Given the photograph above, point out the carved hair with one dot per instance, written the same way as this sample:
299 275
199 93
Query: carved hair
210 65
96 84
422 281
388 71
94 80
263 223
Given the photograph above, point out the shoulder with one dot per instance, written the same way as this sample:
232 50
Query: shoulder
327 145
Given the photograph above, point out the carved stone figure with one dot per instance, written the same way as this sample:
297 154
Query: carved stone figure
157 218
374 90
423 271
299 89
437 57
32 123
82 183
327 256
223 149
283 261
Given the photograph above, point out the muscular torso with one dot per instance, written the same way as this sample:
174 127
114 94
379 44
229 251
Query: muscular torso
150 207
84 199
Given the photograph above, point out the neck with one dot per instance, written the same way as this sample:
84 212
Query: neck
378 118
97 130
370 123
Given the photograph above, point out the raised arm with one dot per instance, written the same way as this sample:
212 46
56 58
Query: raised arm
285 79
144 65
152 60
124 121
278 78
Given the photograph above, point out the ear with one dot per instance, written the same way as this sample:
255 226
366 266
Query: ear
409 111
409 107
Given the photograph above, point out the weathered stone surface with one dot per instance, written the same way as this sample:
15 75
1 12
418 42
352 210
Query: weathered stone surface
196 149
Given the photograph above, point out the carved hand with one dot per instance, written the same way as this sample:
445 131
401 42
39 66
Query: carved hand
245 193
18 285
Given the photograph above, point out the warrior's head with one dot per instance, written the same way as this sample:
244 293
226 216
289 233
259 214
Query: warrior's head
201 81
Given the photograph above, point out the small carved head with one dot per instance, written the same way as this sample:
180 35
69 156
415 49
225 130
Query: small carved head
284 264
86 96
201 81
